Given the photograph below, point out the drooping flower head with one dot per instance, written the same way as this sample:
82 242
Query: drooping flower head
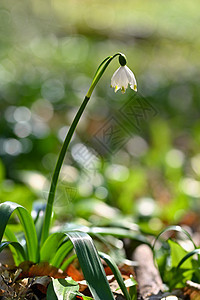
123 77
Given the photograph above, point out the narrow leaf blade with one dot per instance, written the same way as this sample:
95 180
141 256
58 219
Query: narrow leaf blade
52 242
19 250
174 228
110 262
187 256
91 265
6 210
61 253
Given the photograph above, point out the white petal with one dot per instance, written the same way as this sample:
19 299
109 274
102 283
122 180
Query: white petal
124 80
130 75
133 81
115 77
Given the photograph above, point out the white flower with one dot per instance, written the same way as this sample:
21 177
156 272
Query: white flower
122 77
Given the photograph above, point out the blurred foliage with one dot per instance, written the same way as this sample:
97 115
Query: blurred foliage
49 51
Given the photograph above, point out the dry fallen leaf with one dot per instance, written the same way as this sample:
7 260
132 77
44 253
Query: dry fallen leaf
74 273
42 269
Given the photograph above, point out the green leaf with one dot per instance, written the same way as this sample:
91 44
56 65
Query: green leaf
63 289
174 228
20 255
10 234
2 171
52 243
173 276
37 213
110 262
86 298
177 253
131 283
67 262
51 295
187 256
38 227
132 288
91 265
114 231
58 249
61 253
6 210
176 278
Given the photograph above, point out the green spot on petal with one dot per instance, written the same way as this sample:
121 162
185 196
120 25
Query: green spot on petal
123 90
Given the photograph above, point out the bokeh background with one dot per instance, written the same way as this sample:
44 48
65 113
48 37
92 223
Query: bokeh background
49 52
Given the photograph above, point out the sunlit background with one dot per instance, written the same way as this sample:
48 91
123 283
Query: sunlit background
49 52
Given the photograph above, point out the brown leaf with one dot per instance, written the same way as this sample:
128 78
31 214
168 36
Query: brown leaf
108 271
127 270
42 269
74 273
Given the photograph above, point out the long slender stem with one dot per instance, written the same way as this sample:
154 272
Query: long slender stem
48 213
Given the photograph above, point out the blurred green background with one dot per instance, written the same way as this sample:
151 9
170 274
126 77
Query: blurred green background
49 52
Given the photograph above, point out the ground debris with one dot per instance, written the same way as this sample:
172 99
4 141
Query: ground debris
26 289
192 290
15 286
30 281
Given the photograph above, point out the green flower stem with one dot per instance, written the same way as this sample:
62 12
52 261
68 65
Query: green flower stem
48 212
54 181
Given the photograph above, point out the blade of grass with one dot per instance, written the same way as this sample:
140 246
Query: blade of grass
110 262
6 210
91 265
